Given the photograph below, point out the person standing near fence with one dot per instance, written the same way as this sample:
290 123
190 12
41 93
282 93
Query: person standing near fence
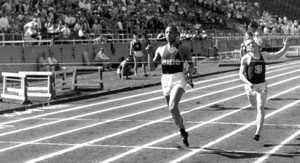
172 57
252 74
136 50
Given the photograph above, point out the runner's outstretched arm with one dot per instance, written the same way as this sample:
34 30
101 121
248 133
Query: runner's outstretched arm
281 52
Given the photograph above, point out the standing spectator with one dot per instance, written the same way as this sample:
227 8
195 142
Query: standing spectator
4 24
257 38
136 51
248 35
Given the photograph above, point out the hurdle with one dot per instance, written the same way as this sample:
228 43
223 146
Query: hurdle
234 54
293 51
88 84
40 89
62 82
14 87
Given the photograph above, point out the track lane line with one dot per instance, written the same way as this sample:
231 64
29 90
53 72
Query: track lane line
189 129
127 97
235 132
147 124
142 112
275 149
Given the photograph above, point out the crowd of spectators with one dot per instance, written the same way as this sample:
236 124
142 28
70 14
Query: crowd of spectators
80 18
85 18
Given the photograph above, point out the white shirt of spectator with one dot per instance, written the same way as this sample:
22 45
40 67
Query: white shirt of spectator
30 24
80 33
4 24
29 32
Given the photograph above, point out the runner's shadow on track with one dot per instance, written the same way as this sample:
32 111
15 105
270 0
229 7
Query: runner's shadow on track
265 108
89 100
220 107
239 154
290 145
282 99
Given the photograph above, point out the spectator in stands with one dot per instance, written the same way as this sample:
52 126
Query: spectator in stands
124 69
103 60
53 63
204 35
257 38
4 23
43 65
248 36
136 50
66 31
97 27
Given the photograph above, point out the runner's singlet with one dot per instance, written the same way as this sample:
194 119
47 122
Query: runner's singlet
137 46
255 72
171 62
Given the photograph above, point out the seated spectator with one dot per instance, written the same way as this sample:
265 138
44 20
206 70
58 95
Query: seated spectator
124 69
66 32
53 63
103 60
42 63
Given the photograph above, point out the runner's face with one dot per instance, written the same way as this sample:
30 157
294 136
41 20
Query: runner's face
170 34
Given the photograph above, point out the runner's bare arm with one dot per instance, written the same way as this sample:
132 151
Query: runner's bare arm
280 53
154 62
130 49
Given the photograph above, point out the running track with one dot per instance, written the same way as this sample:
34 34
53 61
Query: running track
136 126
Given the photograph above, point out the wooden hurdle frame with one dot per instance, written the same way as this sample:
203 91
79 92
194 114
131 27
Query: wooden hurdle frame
38 91
53 84
78 69
229 54
293 51
9 92
60 83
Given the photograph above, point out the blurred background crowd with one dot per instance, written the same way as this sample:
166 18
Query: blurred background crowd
65 19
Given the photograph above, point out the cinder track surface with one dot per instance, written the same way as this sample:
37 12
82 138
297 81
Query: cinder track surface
136 126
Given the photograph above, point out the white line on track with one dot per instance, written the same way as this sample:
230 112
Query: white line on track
147 124
112 101
275 149
231 133
121 106
191 128
169 121
127 116
138 95
161 148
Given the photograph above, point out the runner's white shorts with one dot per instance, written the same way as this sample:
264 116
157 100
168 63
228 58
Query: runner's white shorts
138 53
257 88
170 81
